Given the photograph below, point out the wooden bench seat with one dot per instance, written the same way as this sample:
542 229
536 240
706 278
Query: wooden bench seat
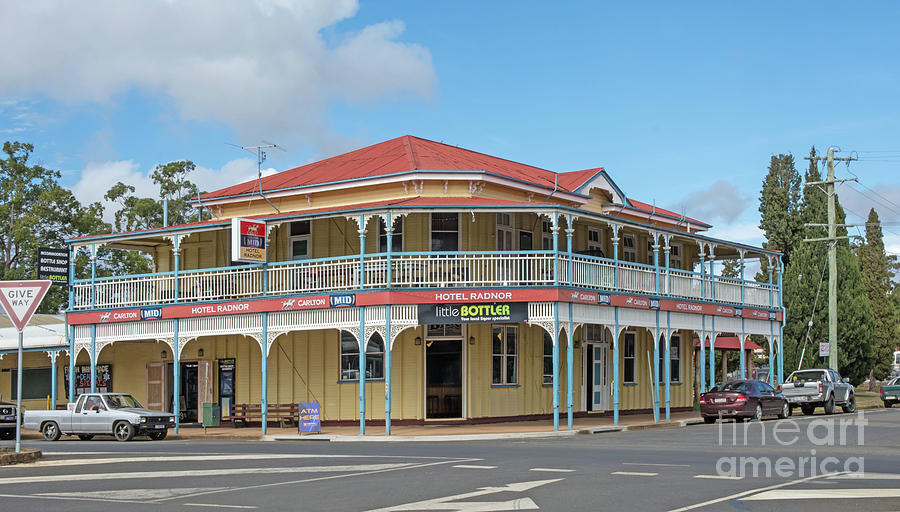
285 414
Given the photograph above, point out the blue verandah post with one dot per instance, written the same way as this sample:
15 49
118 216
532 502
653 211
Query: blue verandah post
176 376
783 319
712 335
93 275
668 368
615 241
570 349
93 358
702 321
772 365
555 365
743 356
362 329
616 367
655 372
53 355
70 329
387 370
264 394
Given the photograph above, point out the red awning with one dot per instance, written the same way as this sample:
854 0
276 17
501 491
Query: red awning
729 343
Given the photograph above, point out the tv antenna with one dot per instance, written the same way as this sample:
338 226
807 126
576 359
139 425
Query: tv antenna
260 152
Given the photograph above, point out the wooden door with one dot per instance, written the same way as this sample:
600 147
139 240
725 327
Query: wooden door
156 386
205 382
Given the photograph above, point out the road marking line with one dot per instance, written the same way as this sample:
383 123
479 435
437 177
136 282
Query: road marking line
553 470
719 477
453 502
747 493
322 478
200 473
651 464
866 476
821 494
215 505
633 473
217 457
131 494
471 466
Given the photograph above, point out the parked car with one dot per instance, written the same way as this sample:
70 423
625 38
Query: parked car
101 413
825 388
741 399
7 420
890 392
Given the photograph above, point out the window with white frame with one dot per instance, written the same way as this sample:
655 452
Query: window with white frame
675 358
444 231
548 359
629 366
396 239
504 354
629 248
594 244
675 256
350 357
546 235
505 232
299 240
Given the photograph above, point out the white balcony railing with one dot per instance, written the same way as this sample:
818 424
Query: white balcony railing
412 270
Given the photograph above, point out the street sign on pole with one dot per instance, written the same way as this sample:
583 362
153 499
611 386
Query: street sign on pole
824 349
20 299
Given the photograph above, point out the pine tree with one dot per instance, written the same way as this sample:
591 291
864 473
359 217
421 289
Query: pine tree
779 208
805 290
877 274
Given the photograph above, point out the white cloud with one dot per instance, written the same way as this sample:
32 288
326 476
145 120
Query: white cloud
720 201
98 177
261 67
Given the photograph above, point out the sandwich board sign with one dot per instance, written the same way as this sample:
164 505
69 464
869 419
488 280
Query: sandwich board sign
20 299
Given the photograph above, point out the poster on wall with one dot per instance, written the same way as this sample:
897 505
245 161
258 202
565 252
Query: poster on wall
83 379
248 240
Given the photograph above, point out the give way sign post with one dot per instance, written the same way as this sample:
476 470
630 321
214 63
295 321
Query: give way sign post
20 299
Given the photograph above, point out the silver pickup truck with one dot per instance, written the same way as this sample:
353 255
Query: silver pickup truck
101 413
809 389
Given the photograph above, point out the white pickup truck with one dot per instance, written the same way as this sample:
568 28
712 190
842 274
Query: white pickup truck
809 389
101 413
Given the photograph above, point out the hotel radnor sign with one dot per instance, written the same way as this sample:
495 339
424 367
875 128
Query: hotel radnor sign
473 313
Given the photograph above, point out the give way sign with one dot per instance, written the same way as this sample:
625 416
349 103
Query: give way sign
21 298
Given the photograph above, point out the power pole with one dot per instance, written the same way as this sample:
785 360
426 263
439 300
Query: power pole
832 249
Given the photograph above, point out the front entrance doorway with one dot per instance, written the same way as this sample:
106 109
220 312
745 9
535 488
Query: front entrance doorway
597 376
196 387
443 372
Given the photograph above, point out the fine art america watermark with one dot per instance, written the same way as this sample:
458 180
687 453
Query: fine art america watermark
819 433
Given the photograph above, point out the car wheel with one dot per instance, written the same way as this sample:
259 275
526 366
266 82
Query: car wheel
123 431
829 405
50 430
85 437
158 436
850 406
807 410
709 419
785 411
757 415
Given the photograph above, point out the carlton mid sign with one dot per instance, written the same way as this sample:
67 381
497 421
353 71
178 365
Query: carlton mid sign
473 313
248 241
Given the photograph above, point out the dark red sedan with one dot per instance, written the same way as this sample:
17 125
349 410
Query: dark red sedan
741 399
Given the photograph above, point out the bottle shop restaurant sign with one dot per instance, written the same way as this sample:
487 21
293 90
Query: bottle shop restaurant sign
473 313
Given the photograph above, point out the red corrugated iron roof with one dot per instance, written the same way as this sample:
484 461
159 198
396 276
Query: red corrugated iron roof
412 202
729 343
403 154
649 208
573 179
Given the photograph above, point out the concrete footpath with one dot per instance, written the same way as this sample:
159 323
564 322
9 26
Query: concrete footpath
443 432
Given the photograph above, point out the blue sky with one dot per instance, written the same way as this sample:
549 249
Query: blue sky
683 103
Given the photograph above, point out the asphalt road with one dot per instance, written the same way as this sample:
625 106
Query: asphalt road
701 467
